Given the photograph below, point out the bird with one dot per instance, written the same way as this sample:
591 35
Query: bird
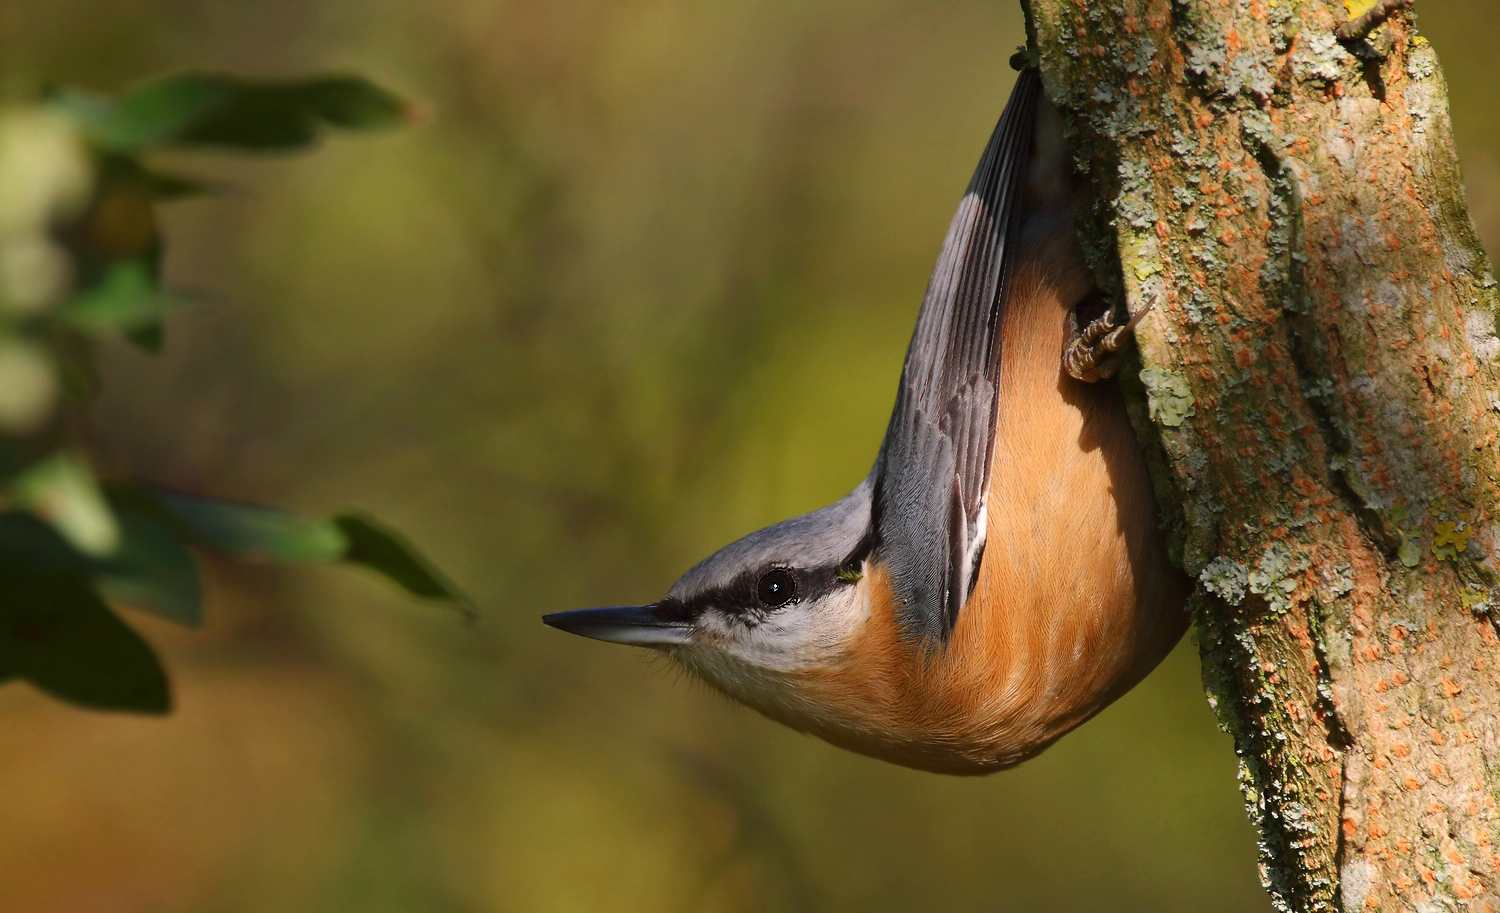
1000 575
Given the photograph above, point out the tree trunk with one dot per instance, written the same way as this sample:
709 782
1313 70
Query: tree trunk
1319 381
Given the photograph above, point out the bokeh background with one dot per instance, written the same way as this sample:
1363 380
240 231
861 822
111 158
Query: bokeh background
642 284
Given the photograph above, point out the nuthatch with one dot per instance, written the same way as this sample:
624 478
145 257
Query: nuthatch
999 577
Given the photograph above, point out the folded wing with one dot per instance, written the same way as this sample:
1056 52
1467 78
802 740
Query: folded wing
933 470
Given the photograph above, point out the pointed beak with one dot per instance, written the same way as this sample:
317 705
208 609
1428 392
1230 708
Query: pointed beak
645 626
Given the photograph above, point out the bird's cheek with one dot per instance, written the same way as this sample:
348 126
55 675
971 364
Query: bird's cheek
711 632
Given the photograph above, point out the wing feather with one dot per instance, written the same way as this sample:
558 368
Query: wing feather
933 471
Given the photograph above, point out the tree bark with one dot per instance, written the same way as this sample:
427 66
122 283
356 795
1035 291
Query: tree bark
1318 384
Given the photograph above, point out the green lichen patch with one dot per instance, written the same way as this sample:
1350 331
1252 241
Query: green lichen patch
1168 396
1449 539
1410 553
1226 579
1276 577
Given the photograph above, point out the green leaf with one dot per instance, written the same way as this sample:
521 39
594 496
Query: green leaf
26 540
205 109
381 549
127 298
56 633
249 531
169 187
62 491
130 171
152 571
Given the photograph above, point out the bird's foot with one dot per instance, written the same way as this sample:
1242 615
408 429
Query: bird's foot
1092 353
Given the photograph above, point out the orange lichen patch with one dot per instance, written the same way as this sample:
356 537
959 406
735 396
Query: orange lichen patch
1428 875
1400 678
1437 770
1450 687
1401 750
1411 783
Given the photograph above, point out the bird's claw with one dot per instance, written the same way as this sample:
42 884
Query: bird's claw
1092 353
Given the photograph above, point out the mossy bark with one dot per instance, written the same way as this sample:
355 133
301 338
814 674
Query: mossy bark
1319 380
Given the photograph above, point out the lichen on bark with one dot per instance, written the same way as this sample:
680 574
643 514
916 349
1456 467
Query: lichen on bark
1319 377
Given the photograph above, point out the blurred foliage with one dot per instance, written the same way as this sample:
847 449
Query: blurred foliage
80 258
643 284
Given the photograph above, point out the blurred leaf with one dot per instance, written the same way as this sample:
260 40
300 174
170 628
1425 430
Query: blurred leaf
130 171
62 491
250 531
56 633
265 533
126 299
169 187
199 109
153 571
381 549
24 538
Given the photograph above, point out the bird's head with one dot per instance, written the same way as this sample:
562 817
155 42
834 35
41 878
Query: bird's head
780 620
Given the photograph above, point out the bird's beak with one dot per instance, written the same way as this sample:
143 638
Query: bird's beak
645 626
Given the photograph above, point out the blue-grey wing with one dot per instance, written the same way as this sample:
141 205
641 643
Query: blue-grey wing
933 471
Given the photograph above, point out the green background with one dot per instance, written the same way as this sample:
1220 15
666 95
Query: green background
641 284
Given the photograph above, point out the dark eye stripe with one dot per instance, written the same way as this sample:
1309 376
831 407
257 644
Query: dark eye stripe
746 596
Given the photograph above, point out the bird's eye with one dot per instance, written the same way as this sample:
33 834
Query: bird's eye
777 587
